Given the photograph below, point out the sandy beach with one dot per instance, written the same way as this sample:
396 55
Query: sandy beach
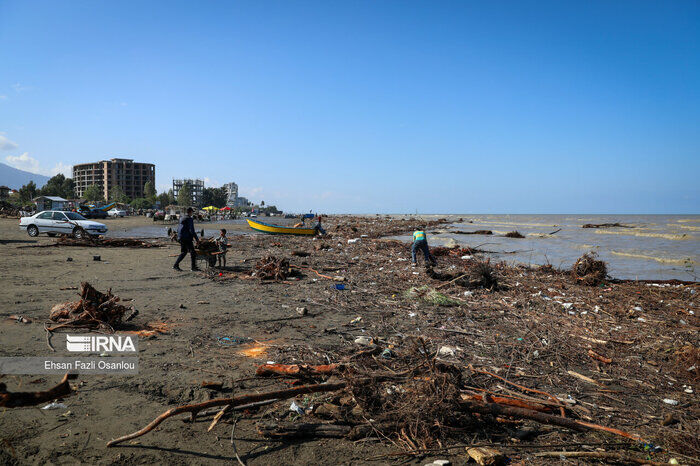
536 328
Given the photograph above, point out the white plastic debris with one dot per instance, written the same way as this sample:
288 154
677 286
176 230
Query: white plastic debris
296 408
55 405
354 240
637 308
671 402
446 351
468 293
641 319
364 341
467 257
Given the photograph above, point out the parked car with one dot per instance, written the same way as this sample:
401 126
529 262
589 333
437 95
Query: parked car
56 222
95 213
117 213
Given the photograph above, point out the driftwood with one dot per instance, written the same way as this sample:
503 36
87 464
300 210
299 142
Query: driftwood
599 357
581 426
303 430
295 370
604 455
19 399
193 409
605 225
94 310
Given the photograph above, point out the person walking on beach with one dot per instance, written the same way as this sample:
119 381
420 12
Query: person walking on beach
185 235
222 242
319 229
420 242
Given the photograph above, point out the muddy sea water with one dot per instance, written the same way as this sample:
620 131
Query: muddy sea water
649 247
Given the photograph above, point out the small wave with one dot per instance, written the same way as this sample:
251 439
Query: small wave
663 260
689 220
589 247
670 236
686 227
524 224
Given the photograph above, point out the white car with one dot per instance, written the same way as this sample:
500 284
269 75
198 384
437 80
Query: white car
116 213
56 222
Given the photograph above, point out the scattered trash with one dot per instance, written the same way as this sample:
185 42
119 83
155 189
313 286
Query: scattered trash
387 354
96 258
356 320
364 341
296 408
671 402
233 341
447 351
339 286
302 311
54 405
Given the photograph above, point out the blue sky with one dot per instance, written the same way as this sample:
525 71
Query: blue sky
368 106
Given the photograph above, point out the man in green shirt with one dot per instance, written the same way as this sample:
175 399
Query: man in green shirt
420 242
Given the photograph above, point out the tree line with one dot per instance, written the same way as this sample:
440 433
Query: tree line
64 187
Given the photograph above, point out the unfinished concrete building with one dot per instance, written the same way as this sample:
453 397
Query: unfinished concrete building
129 175
196 186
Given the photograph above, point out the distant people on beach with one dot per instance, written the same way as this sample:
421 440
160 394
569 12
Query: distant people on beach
222 242
185 235
319 229
420 242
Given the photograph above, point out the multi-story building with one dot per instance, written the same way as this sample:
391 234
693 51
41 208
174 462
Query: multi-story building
231 194
129 175
242 202
196 186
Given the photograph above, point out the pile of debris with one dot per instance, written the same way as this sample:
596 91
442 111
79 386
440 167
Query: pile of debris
7 210
94 310
588 270
409 397
272 268
514 234
98 242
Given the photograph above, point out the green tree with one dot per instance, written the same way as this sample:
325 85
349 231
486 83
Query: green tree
116 194
60 186
214 196
184 196
149 192
94 193
27 192
141 203
165 199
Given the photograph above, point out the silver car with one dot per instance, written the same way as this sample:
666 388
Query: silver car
56 222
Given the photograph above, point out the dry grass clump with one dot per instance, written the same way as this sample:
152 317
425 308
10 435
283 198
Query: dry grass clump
514 234
588 270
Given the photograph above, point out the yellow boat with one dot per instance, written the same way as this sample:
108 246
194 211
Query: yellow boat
279 230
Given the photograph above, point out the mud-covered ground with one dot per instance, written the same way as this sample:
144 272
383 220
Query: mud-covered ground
535 328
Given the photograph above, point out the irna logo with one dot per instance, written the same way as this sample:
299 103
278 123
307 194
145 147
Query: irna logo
96 343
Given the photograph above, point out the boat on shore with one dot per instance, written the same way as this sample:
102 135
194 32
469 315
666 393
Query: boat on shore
279 230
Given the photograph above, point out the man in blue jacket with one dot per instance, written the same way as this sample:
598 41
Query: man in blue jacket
185 235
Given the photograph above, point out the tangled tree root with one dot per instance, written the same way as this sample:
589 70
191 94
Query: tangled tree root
588 270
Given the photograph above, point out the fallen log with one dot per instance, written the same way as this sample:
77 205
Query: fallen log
509 401
193 409
581 426
295 370
304 430
20 399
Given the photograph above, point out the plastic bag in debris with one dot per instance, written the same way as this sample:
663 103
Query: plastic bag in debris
55 405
